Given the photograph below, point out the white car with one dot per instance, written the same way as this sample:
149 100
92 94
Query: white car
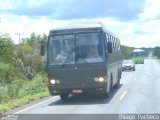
128 65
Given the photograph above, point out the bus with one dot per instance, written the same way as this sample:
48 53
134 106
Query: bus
138 56
82 59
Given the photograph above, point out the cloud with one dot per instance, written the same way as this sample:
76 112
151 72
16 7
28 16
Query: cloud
6 4
151 10
136 23
78 9
13 24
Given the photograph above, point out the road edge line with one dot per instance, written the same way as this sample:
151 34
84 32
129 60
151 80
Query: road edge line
35 105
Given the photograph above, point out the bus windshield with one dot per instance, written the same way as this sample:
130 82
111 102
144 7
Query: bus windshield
137 54
75 48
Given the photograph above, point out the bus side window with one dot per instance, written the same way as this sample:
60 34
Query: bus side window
116 46
107 38
114 41
110 40
119 46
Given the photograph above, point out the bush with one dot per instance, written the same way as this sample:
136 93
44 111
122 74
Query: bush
14 87
126 52
35 86
11 90
20 88
3 94
156 52
7 72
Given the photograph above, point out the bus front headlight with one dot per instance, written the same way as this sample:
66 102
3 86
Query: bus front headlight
99 79
53 81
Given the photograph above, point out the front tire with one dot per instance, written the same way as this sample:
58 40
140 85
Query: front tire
108 93
118 81
117 84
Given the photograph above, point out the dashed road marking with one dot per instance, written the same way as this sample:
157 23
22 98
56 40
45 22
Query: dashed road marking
123 95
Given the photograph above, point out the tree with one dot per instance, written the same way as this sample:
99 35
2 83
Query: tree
126 52
6 48
29 54
157 52
7 63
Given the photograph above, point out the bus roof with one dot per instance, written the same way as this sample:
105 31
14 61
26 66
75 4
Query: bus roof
137 50
84 25
79 25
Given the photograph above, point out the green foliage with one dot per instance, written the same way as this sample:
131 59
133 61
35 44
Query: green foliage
29 54
15 62
157 52
14 87
20 88
6 49
25 54
35 86
3 94
36 40
7 72
13 103
4 108
11 90
126 52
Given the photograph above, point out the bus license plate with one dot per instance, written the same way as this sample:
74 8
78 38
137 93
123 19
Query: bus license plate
77 91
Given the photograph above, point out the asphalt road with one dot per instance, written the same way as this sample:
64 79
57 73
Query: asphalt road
139 93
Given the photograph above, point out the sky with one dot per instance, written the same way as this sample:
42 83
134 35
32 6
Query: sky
135 22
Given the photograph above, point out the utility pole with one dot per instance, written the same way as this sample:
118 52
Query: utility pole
19 36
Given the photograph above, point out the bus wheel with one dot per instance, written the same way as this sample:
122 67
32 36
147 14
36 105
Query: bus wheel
64 96
110 88
117 84
107 94
118 81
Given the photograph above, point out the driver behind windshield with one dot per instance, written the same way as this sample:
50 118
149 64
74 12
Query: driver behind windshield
65 55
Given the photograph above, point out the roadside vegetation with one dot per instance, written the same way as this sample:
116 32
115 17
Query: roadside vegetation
126 52
156 52
22 78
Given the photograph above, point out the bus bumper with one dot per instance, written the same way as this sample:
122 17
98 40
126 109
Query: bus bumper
87 89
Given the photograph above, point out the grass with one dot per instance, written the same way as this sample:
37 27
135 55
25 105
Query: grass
20 102
20 92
